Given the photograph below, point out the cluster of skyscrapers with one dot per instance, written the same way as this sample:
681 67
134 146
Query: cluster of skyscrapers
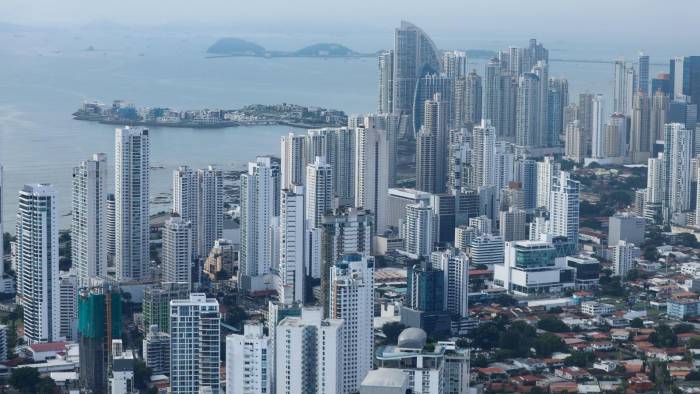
487 191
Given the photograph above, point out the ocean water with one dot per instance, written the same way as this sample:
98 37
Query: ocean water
45 76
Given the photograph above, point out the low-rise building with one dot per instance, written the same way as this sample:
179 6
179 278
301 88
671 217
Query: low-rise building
680 309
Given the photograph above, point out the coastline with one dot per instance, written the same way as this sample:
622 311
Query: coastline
187 125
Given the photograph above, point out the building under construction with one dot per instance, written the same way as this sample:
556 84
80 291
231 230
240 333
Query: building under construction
99 321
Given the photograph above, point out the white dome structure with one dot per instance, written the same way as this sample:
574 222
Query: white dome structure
412 338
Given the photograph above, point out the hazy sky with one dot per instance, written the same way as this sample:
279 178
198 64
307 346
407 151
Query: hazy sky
650 20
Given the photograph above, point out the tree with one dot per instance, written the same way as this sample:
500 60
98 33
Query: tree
392 330
694 343
505 300
552 324
27 380
517 339
142 375
693 376
480 361
486 336
235 316
686 239
612 287
579 359
683 328
45 386
663 336
637 323
548 343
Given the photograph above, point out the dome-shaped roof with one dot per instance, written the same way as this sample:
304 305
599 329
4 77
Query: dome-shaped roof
412 338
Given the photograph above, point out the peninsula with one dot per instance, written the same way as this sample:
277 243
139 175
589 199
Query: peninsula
125 113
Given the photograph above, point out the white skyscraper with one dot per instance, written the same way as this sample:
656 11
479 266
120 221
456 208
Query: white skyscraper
372 173
88 219
257 211
620 88
194 344
418 230
37 263
564 207
597 127
177 250
2 231
293 166
455 266
309 354
291 270
249 361
68 282
319 191
110 229
198 198
483 154
131 172
654 180
546 170
624 254
677 170
352 300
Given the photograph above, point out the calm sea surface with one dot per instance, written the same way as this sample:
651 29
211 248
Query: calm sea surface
45 77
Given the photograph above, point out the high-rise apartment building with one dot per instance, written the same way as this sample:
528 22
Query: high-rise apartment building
345 231
483 162
386 82
309 354
640 138
259 187
352 300
557 101
564 207
546 170
512 225
624 254
418 230
156 302
677 170
177 250
293 160
249 365
37 263
131 172
319 191
194 344
528 130
88 219
643 66
68 282
198 198
455 268
597 127
291 271
372 173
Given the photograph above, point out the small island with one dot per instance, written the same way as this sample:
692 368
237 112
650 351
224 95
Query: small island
125 113
231 46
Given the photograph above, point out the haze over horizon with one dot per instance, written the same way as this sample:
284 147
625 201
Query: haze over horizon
448 21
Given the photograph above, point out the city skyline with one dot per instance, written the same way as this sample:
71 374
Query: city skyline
479 229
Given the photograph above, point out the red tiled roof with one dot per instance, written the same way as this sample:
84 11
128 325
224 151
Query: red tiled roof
48 347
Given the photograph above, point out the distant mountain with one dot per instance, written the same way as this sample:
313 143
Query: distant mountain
236 46
325 49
